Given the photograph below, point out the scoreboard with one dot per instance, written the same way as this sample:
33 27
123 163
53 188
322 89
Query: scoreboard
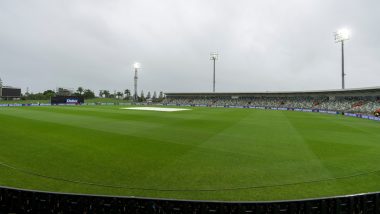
8 92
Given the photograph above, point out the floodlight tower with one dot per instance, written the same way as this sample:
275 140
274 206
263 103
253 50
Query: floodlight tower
136 66
340 36
214 57
1 88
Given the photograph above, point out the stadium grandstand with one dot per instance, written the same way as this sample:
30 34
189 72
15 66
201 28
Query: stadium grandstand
360 100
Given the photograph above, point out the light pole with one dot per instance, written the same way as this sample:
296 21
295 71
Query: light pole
340 36
136 66
214 57
1 89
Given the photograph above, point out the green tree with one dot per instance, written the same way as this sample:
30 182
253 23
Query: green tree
88 94
142 96
80 90
106 93
148 95
48 94
154 95
127 93
119 94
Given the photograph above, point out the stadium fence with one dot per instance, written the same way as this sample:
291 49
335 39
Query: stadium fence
14 200
358 115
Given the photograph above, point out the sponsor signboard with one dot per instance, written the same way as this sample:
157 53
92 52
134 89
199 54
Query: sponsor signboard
74 100
328 112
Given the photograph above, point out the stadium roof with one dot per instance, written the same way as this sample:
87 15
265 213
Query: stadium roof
372 91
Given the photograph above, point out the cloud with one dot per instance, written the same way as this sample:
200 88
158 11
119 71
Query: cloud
263 45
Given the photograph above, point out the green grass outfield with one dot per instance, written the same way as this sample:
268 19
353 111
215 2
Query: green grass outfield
204 153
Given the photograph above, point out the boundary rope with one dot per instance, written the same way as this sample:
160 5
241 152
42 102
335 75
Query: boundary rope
182 190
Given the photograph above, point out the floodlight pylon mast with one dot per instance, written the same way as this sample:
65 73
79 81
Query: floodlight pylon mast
343 74
135 86
213 57
340 36
1 89
136 66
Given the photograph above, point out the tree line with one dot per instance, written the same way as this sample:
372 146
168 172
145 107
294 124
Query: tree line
89 94
127 95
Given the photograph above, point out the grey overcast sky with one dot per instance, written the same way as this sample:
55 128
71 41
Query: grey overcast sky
266 45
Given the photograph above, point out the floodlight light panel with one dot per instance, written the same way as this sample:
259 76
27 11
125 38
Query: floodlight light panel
342 34
136 65
345 33
214 56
